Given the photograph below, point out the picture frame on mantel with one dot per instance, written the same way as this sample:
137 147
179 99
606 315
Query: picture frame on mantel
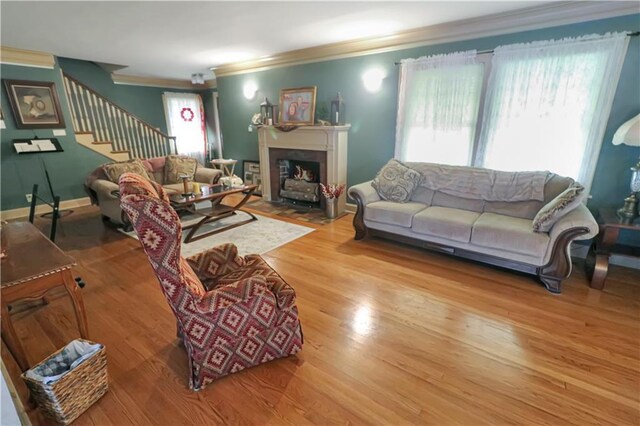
35 104
298 106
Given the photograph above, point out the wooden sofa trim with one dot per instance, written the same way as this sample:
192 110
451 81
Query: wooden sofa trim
551 274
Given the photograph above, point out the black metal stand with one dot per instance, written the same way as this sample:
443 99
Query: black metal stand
55 206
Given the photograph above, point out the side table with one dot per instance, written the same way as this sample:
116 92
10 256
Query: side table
605 244
227 166
33 266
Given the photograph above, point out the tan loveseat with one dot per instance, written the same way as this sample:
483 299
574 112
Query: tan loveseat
479 214
104 192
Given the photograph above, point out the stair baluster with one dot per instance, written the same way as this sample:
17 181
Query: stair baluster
115 132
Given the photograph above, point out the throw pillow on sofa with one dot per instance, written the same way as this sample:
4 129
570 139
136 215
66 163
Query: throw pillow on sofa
114 170
177 165
560 206
396 182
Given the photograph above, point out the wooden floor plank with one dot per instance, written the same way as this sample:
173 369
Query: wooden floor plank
393 335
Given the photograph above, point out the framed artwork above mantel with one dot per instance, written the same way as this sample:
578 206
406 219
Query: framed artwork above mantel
34 104
298 106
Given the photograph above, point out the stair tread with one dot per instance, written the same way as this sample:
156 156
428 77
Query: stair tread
83 133
101 142
125 151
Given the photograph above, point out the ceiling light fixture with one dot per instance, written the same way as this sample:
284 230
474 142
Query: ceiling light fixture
197 78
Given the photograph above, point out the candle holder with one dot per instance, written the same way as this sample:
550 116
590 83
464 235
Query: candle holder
185 186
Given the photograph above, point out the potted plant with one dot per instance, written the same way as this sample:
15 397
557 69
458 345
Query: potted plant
332 192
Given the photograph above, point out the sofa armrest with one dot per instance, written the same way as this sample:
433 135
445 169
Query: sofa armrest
365 192
578 224
208 176
580 217
105 189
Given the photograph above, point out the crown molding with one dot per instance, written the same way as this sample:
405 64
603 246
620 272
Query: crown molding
134 80
26 58
537 17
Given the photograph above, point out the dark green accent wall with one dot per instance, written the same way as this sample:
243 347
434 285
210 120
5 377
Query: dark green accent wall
68 169
19 172
373 115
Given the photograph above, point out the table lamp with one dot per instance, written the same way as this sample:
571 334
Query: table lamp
629 134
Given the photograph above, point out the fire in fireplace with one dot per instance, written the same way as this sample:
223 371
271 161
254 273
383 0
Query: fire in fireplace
299 182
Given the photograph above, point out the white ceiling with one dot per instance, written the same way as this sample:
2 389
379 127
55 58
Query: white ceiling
176 39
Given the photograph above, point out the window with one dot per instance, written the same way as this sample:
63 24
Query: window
546 107
185 120
438 109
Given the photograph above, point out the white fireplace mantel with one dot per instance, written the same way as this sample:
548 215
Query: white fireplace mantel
330 139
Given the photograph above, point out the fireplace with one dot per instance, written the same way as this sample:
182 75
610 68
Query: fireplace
296 175
300 182
325 147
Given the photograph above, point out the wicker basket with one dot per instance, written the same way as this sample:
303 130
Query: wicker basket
68 397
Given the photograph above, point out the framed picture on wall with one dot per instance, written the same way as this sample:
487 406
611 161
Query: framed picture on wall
298 106
252 176
34 104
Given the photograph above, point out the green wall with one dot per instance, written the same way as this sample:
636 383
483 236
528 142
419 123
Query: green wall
67 169
19 172
373 115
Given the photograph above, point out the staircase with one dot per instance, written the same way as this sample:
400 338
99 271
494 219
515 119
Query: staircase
104 127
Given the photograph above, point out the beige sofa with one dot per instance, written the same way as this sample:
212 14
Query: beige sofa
491 223
105 193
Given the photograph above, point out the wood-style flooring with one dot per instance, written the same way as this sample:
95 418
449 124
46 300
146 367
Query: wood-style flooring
393 335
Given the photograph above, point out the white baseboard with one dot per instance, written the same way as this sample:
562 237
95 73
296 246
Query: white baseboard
351 208
43 208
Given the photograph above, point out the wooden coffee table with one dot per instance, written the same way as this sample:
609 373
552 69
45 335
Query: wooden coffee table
216 212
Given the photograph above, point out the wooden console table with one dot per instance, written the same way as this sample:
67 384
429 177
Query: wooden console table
33 266
605 244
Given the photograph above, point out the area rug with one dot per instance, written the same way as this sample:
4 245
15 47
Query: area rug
303 214
257 237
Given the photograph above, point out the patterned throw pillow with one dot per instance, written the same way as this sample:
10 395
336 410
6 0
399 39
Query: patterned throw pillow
560 206
115 170
177 165
396 182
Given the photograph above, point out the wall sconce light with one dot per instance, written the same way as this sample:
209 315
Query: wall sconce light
372 79
249 90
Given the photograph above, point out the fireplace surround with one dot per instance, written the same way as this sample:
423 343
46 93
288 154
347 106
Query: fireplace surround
326 145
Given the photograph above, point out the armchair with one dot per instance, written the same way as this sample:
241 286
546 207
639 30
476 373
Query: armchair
232 312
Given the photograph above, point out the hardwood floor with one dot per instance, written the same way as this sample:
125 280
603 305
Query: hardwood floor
393 335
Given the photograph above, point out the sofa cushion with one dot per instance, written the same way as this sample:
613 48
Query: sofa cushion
521 209
177 165
396 182
113 171
554 186
508 233
174 188
445 200
445 222
566 201
392 213
422 195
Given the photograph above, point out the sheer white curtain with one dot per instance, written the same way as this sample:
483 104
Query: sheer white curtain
548 103
438 108
185 120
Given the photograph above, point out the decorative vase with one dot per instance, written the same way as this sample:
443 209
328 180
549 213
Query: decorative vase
331 208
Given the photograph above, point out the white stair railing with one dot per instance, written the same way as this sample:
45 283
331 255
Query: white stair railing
92 113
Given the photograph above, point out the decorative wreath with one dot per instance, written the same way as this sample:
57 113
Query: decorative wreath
187 114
